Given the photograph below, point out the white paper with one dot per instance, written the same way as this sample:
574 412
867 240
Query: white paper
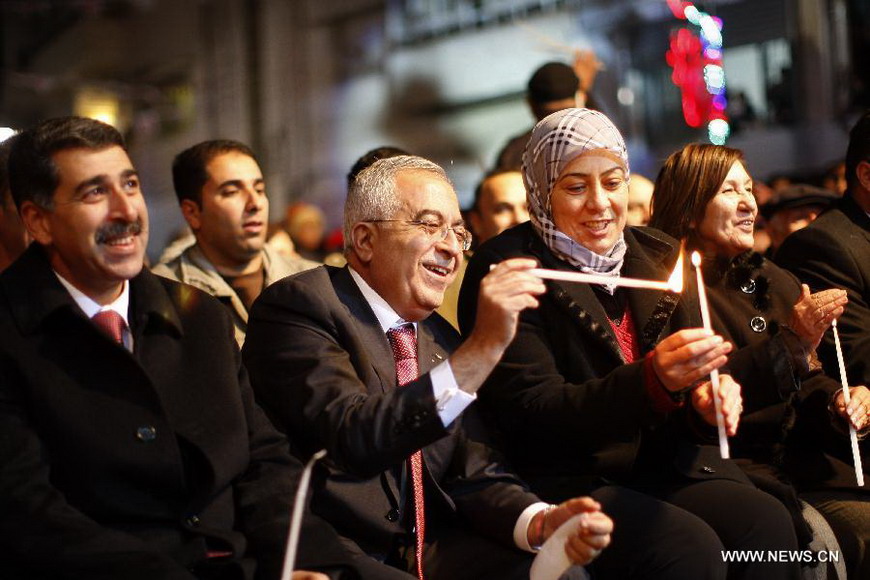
552 561
296 518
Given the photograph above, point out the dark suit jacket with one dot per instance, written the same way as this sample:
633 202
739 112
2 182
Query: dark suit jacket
834 252
323 369
130 465
571 411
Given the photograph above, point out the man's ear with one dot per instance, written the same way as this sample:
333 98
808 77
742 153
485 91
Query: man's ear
863 174
192 213
474 220
36 222
364 237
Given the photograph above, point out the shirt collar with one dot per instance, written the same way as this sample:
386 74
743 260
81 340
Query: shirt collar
385 314
120 305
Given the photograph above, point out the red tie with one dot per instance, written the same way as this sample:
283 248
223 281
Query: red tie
404 344
111 323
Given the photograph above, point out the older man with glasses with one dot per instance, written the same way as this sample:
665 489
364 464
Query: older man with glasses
354 361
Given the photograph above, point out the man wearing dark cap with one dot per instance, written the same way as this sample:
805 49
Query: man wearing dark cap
792 209
553 87
834 252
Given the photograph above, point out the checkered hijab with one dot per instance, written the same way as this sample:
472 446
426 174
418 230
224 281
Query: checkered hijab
555 142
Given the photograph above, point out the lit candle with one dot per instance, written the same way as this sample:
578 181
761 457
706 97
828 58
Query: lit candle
856 452
296 518
674 283
714 374
598 279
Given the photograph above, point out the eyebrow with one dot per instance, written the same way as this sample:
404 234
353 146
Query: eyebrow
239 182
603 173
436 214
103 178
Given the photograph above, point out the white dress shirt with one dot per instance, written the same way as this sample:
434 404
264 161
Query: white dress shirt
121 305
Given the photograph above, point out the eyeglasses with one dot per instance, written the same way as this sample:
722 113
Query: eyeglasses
435 231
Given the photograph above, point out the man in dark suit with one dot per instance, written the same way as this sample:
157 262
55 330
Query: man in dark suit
834 252
353 360
130 444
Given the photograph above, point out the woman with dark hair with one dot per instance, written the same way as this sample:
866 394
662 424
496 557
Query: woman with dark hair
703 194
604 389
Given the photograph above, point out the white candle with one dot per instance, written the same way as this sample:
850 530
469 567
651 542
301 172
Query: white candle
856 452
714 374
598 279
611 280
296 518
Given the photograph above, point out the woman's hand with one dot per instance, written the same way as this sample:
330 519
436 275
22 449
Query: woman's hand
857 413
732 403
688 356
812 314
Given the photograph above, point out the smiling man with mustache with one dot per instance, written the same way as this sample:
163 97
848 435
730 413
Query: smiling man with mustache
222 194
130 444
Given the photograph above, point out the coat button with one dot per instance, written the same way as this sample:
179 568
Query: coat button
758 324
392 515
707 469
748 287
192 521
146 433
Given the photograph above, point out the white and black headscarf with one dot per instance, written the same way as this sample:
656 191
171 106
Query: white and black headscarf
556 141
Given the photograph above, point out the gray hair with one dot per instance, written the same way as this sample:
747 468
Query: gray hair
372 194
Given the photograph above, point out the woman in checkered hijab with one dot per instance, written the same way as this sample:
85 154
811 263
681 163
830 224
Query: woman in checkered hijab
603 389
590 238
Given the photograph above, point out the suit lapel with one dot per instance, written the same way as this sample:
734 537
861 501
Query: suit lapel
373 341
372 338
429 353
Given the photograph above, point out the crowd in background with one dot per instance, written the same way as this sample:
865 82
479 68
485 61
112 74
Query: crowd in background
469 405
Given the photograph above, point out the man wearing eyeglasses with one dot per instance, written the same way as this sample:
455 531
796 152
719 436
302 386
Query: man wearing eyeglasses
354 361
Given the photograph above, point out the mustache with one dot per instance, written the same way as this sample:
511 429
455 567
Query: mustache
118 230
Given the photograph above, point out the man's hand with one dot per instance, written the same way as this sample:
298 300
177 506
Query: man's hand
732 403
812 314
857 413
591 536
506 291
305 575
586 66
688 356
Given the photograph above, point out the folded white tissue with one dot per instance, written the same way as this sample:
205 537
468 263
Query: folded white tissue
551 562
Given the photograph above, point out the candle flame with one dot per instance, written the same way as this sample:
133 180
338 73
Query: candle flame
675 281
696 259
